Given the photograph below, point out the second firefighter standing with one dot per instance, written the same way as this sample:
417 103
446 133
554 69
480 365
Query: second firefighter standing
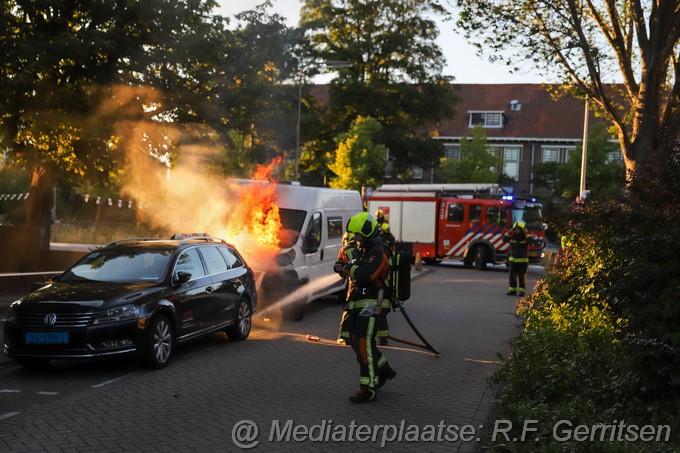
368 274
518 258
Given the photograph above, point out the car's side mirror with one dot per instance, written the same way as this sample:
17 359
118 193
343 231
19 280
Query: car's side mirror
181 277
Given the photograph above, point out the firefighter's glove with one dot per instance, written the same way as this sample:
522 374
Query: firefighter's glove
396 304
342 268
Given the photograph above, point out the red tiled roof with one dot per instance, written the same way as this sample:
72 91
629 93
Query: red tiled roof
540 116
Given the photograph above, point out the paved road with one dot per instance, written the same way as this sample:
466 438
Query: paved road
279 380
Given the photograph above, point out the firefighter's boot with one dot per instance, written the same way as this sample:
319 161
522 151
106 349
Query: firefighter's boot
386 374
364 395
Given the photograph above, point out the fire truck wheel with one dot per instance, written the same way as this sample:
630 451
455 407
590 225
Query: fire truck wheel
479 258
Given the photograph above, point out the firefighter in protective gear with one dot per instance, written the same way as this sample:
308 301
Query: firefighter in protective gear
380 217
518 258
348 253
365 298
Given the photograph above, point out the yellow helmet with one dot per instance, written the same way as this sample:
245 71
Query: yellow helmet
362 223
385 227
519 224
379 213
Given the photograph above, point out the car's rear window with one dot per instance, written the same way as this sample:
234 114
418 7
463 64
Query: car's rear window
121 266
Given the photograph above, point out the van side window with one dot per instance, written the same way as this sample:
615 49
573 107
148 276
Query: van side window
334 227
456 212
313 236
475 213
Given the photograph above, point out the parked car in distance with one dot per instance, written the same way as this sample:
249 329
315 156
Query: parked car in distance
139 297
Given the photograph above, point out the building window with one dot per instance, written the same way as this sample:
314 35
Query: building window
417 172
486 119
511 161
551 155
614 156
556 154
451 152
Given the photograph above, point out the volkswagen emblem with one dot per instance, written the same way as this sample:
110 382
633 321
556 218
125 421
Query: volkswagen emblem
50 319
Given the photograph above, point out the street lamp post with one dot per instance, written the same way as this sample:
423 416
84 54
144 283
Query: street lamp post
584 155
296 176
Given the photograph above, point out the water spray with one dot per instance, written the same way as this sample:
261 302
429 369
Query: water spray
301 293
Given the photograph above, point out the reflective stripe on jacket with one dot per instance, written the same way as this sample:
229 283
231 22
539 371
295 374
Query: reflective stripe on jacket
519 247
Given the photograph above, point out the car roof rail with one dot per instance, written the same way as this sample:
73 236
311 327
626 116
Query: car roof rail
202 239
130 240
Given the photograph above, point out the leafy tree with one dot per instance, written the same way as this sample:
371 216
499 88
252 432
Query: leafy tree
358 160
605 174
476 163
255 57
74 72
394 73
590 44
86 82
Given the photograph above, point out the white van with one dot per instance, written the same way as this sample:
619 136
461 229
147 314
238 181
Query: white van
314 220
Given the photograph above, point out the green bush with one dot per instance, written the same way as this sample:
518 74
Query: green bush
601 342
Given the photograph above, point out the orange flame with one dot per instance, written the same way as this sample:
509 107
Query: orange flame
257 213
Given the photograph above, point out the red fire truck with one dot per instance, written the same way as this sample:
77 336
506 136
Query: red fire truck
458 221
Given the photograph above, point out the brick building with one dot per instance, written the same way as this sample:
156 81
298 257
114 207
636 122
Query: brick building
523 123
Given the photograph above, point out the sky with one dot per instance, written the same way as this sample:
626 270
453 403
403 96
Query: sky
461 61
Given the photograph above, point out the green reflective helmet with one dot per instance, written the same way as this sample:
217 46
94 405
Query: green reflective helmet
362 223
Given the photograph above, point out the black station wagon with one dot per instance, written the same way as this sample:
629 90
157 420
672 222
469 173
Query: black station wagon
141 297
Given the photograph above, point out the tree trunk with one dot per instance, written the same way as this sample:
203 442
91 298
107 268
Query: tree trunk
39 209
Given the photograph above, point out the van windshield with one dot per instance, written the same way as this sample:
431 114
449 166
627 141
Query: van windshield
292 221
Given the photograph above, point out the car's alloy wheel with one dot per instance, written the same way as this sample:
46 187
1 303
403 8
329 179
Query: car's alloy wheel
244 321
160 342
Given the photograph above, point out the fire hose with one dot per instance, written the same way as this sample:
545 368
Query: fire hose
425 345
